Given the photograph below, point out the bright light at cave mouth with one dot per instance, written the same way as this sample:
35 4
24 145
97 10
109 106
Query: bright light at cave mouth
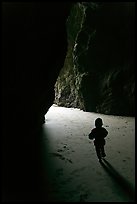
51 110
56 111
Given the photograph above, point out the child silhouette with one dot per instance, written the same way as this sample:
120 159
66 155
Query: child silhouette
99 133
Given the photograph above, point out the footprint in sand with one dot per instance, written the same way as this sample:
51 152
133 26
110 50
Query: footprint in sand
124 160
58 155
61 157
59 150
69 160
64 148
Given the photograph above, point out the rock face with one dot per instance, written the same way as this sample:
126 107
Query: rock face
98 73
34 48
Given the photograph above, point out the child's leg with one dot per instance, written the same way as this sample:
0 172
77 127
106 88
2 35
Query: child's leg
102 151
98 152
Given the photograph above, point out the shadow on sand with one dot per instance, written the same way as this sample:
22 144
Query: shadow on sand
119 180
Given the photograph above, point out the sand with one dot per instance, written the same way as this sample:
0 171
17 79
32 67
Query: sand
75 173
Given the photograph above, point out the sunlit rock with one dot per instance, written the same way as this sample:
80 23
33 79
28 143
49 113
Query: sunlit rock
98 73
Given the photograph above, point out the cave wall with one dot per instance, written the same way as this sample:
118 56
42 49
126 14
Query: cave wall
34 46
98 73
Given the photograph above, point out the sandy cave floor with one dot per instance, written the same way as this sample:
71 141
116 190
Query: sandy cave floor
76 175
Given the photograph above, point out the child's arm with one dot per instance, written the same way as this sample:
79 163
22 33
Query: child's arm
105 132
91 135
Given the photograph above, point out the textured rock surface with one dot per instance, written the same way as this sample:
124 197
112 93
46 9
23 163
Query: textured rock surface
98 73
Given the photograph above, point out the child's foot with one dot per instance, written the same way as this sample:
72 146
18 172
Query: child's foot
104 155
100 160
